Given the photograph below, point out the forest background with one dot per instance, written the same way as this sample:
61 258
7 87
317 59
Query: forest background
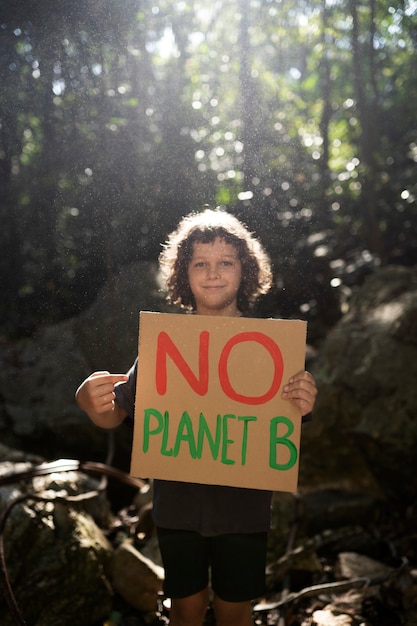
118 117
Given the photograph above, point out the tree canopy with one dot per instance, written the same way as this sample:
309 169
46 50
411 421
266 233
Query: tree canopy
117 118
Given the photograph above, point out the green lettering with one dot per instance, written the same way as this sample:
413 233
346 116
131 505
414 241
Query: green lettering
147 432
214 443
226 441
275 441
185 433
165 433
245 419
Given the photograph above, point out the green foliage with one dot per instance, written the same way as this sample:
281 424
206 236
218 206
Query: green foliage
116 118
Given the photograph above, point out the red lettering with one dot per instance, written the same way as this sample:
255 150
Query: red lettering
166 347
276 355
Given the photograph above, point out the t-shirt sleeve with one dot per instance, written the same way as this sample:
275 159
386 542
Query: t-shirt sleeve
125 392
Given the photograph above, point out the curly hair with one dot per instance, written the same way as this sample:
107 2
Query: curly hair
205 227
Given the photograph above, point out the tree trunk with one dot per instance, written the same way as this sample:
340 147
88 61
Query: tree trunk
367 140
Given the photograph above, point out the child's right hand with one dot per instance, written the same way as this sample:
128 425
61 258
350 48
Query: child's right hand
97 398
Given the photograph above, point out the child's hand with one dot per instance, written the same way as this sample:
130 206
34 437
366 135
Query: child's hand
301 390
96 394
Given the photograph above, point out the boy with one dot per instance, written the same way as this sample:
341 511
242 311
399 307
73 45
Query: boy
212 265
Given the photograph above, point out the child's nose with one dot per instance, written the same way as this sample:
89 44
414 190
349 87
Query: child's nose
213 271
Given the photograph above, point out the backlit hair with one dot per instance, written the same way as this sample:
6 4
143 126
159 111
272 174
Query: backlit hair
205 227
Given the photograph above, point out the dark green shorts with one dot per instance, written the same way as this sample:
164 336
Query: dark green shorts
234 565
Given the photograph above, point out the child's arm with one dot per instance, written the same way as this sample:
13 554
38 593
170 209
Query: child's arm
301 390
96 397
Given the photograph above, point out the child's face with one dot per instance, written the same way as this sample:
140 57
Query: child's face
214 274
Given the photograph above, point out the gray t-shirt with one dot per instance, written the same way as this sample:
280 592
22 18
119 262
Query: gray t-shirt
207 509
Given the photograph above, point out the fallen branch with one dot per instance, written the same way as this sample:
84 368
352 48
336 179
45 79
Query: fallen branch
336 587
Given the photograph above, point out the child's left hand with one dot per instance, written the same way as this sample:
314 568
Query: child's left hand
301 390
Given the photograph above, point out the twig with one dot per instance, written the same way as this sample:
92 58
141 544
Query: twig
336 587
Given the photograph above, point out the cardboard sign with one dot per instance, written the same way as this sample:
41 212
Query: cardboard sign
208 400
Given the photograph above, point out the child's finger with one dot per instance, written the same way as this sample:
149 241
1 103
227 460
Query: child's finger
301 390
105 377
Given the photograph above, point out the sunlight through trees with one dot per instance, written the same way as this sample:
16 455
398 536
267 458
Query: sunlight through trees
117 118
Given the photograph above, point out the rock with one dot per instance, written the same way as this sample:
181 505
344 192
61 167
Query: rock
61 567
57 558
38 378
363 437
353 565
137 579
